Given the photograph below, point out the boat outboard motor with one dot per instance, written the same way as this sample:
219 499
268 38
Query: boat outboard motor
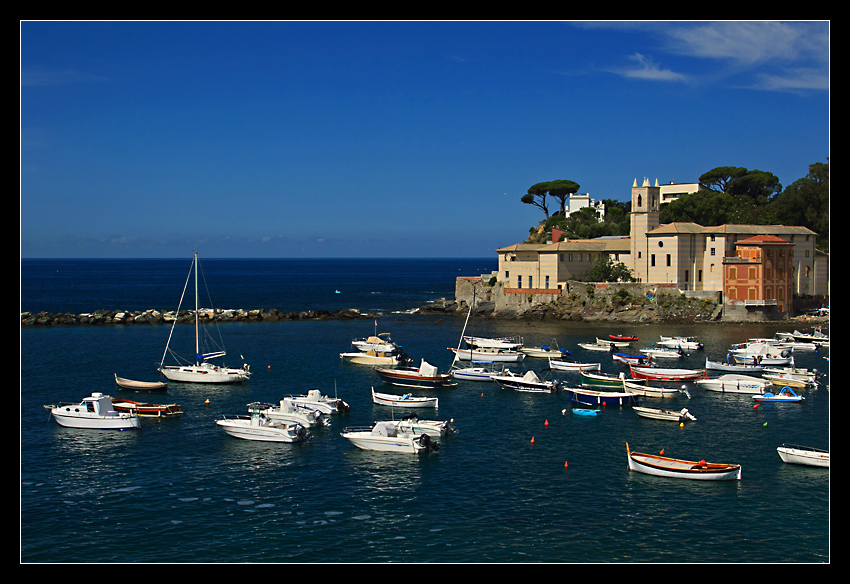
426 442
556 385
320 418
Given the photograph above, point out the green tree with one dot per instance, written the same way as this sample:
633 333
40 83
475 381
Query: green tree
806 202
561 190
537 196
605 270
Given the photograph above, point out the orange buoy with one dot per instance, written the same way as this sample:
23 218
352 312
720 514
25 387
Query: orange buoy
662 452
565 464
532 439
546 423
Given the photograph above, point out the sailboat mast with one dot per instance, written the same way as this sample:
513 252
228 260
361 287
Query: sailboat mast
197 348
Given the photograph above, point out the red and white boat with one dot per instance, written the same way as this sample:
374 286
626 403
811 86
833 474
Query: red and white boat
662 374
627 338
146 410
662 466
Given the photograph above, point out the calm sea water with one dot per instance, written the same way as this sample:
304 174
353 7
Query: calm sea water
180 490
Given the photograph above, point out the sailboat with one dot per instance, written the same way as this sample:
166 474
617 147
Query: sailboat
479 370
202 371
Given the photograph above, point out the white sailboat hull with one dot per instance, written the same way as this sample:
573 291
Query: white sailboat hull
204 373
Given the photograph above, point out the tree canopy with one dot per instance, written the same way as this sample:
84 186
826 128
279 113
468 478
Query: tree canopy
558 189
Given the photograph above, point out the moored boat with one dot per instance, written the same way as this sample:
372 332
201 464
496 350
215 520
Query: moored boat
386 437
289 413
405 401
733 367
316 401
412 424
488 354
573 366
94 412
666 415
649 391
258 427
662 353
601 398
804 455
479 371
529 382
146 410
543 352
134 385
663 374
663 466
632 359
510 343
425 376
689 343
733 383
203 370
786 394
623 338
604 380
371 357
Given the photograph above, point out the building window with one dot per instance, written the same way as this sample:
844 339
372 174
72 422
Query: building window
519 281
652 260
547 282
531 281
712 251
668 259
660 244
699 276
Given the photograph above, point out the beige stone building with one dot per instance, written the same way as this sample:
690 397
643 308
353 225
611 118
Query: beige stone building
686 255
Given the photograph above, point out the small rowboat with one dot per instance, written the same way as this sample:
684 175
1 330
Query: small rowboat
624 338
781 380
662 466
488 354
735 368
648 391
803 455
605 380
660 374
406 401
632 359
573 366
596 347
786 394
140 385
601 398
584 412
146 410
667 415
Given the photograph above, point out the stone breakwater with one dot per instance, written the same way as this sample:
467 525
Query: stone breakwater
109 317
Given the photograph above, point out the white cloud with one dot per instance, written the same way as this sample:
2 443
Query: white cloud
647 69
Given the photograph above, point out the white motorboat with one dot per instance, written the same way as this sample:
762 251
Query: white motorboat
314 400
288 412
202 371
689 343
816 337
94 412
488 354
666 415
509 343
798 373
601 398
733 383
411 424
662 353
761 354
373 358
803 455
632 359
376 343
403 401
260 428
529 382
386 437
733 367
573 366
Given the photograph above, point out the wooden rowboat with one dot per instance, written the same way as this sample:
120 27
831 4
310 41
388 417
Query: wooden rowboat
662 466
140 385
146 410
667 415
660 374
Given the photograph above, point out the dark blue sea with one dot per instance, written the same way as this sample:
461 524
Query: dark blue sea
521 482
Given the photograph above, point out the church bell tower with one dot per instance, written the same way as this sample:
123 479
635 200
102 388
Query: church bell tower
646 204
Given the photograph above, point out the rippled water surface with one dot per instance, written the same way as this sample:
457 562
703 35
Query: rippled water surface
520 482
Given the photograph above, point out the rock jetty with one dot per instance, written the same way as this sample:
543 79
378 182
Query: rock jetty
110 317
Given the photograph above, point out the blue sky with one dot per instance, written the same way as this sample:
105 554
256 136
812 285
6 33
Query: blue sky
387 139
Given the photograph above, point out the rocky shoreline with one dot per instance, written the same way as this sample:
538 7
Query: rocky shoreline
152 316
